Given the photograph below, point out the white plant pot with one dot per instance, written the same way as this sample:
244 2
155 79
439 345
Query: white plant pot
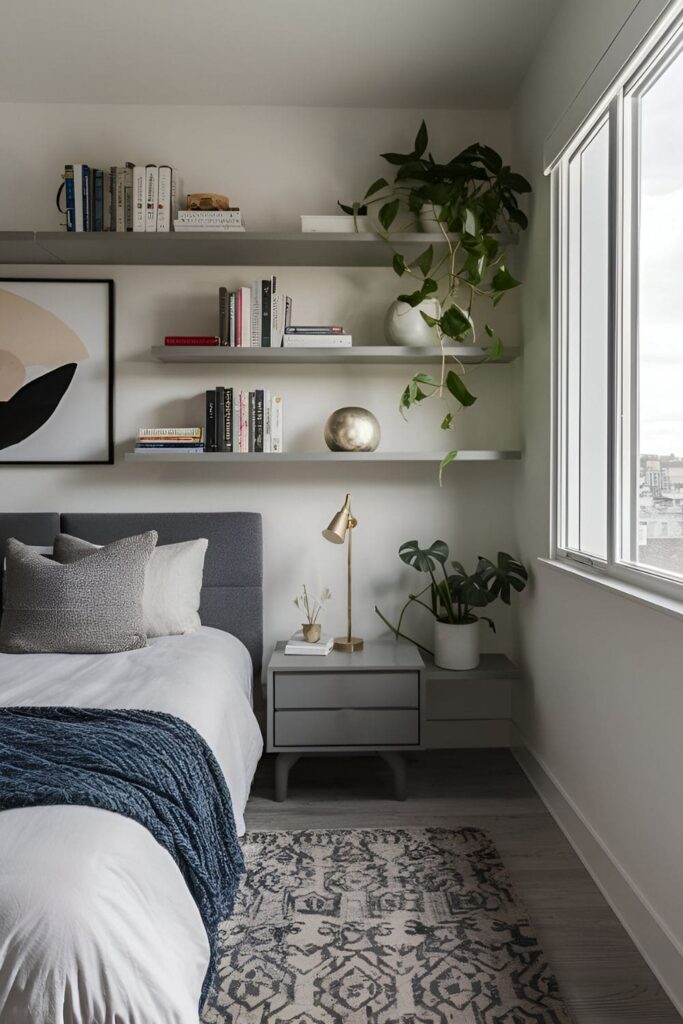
428 218
404 324
456 646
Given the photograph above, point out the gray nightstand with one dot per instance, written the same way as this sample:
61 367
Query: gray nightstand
371 700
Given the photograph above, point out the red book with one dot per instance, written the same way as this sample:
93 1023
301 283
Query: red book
192 339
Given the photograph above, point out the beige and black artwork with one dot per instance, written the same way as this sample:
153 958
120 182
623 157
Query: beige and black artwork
55 371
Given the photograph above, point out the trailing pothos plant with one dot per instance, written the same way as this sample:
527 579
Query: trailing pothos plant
453 596
472 198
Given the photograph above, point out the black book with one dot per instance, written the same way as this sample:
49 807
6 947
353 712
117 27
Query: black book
210 432
223 315
228 421
266 311
259 419
98 201
252 419
220 419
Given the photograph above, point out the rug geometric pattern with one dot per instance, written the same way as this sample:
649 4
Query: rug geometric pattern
379 926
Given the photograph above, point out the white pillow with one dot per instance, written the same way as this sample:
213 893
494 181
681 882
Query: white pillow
173 583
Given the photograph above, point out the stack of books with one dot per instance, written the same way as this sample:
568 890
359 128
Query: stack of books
243 421
316 337
209 220
256 316
186 440
134 197
297 645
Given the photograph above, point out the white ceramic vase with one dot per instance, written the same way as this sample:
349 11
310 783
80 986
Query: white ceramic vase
456 646
404 324
428 218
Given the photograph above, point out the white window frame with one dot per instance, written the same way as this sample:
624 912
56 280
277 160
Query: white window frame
618 108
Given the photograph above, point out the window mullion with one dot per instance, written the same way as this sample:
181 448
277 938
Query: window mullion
615 325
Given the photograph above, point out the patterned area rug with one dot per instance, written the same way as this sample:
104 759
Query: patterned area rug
375 926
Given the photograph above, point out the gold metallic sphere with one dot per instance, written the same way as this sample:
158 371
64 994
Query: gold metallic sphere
352 429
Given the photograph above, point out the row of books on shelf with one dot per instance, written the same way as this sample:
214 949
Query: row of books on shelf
255 316
293 337
133 197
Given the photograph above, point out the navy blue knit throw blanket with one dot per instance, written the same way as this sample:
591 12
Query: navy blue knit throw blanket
146 765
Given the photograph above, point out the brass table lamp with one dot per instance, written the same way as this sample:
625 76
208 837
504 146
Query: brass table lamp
343 525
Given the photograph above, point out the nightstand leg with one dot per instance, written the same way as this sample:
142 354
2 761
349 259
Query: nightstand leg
397 763
283 763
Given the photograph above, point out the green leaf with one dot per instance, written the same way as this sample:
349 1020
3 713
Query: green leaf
503 280
397 158
429 287
446 461
346 209
424 559
447 421
387 213
519 218
426 378
506 575
376 186
432 321
496 349
399 264
458 389
421 140
455 323
424 260
516 182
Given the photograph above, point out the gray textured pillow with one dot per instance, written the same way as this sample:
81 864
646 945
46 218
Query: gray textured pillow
93 606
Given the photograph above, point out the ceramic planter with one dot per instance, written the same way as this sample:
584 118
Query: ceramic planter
404 325
311 631
456 646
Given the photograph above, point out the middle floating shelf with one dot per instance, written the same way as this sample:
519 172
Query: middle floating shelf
210 458
355 354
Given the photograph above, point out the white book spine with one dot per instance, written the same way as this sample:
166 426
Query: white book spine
78 196
151 196
139 209
224 229
256 314
267 423
164 199
276 425
120 198
245 340
230 217
175 194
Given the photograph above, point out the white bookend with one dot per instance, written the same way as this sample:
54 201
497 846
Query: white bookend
151 196
164 199
139 209
318 340
256 314
276 424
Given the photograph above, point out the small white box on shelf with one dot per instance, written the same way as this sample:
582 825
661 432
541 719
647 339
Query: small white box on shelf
334 223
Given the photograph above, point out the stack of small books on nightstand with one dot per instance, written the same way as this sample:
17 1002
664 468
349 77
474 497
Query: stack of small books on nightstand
297 645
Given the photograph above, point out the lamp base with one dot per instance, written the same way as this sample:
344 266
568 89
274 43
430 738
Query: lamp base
342 643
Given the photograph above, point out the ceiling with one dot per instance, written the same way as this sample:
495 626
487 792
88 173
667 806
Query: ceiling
342 53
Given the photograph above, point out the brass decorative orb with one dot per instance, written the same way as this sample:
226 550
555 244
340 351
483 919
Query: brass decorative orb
352 429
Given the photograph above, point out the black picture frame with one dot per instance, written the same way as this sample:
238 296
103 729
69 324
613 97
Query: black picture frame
110 363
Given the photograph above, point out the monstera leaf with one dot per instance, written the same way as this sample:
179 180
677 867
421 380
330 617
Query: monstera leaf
468 589
33 404
423 559
500 579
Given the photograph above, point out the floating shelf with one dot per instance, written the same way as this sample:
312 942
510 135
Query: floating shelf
212 457
208 248
354 354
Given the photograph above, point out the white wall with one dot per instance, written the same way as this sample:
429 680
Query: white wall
603 703
277 164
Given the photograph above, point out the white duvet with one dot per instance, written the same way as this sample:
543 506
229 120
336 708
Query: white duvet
97 925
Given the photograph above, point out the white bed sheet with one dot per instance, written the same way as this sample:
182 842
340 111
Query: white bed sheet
97 925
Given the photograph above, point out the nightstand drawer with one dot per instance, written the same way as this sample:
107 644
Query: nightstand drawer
344 727
346 690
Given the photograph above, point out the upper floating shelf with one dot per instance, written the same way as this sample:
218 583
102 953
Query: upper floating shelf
211 458
250 248
296 356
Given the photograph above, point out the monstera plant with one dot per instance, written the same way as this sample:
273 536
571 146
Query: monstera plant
471 200
455 598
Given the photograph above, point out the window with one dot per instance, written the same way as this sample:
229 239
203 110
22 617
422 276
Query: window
618 288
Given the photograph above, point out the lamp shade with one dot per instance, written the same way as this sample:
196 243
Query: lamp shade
336 531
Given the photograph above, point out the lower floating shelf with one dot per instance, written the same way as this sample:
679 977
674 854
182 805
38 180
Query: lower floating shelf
463 456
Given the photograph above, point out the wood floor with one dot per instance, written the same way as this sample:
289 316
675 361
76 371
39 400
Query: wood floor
603 978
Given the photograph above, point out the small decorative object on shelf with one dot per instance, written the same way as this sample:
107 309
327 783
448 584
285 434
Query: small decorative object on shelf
334 224
311 607
341 527
352 429
405 325
207 201
453 597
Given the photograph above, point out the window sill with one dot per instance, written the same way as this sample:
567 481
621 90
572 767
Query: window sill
657 602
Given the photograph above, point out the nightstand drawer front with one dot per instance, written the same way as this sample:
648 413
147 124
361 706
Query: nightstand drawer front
344 727
346 690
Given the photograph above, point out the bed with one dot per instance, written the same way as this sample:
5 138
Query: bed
97 925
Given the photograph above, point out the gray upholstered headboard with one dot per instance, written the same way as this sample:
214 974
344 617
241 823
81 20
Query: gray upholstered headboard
232 596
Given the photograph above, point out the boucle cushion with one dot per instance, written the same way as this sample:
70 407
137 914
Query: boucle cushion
93 606
173 585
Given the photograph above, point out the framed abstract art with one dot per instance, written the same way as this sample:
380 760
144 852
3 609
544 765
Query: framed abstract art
56 371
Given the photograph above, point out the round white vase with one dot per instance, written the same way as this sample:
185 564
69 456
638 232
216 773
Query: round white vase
456 646
404 325
428 218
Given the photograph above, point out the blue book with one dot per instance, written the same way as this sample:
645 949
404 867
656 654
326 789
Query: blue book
70 194
98 200
85 194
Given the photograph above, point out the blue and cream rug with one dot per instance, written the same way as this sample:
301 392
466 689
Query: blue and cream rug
376 926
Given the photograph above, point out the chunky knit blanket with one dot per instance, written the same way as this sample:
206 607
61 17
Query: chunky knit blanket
146 765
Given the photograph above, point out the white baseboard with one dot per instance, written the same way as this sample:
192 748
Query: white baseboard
658 947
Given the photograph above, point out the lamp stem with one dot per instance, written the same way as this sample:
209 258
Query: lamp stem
348 587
